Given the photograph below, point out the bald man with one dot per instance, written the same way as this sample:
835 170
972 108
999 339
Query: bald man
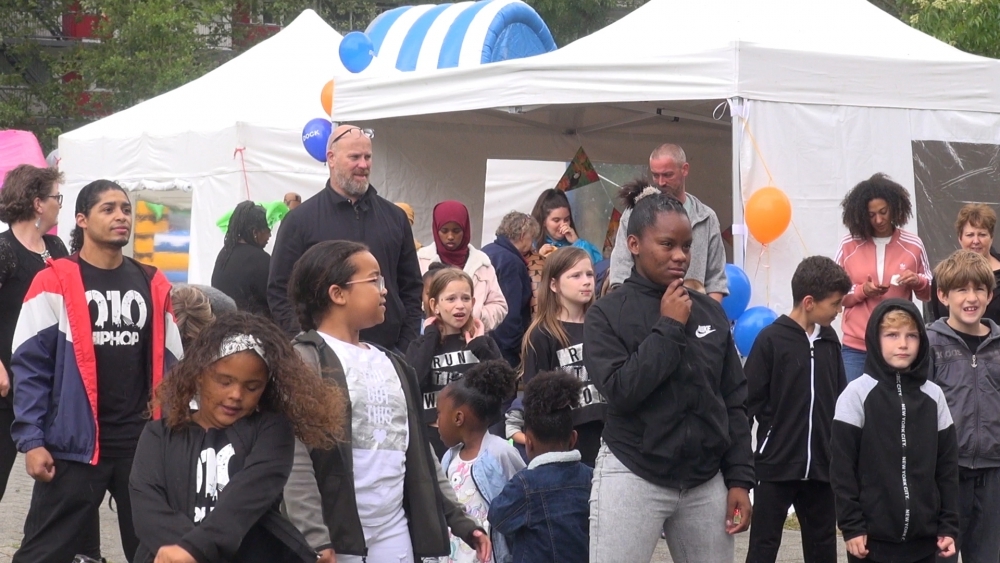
350 209
292 200
668 168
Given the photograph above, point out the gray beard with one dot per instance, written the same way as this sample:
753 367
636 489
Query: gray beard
351 188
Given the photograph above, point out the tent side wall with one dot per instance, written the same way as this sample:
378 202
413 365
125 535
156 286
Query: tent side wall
816 153
423 162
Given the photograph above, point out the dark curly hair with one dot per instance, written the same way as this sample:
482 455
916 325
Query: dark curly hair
484 388
246 221
879 186
647 206
819 277
315 406
549 399
21 187
325 264
89 196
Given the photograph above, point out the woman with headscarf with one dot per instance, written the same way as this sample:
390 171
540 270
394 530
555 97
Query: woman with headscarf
452 235
242 267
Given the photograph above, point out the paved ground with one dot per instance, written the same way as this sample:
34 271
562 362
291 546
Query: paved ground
14 507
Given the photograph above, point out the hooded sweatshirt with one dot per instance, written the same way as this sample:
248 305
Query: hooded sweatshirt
794 380
895 457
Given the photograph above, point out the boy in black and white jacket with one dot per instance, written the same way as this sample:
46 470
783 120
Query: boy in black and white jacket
795 374
895 455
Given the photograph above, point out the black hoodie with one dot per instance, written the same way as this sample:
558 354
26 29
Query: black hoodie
895 456
794 380
676 392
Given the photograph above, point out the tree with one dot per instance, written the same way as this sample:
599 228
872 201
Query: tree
971 25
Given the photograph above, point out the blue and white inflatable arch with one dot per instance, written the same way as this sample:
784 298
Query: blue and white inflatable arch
462 34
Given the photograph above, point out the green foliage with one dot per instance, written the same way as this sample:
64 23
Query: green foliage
970 25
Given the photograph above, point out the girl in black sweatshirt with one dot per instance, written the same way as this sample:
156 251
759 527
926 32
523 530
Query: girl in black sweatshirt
554 340
453 341
206 483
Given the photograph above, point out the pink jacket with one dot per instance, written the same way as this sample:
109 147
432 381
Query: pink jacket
905 251
491 306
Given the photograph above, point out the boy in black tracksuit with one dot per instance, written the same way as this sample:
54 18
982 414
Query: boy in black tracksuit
895 455
795 374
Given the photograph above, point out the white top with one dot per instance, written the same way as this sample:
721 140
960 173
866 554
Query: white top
880 244
476 507
379 430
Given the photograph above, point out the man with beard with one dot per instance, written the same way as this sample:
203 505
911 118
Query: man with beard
350 209
668 167
95 336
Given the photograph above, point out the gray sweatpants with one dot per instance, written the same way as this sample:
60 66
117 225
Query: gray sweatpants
627 513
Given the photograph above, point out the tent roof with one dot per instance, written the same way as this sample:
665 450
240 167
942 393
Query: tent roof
847 52
275 83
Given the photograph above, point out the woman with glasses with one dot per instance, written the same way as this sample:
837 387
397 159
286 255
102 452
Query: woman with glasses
29 204
378 494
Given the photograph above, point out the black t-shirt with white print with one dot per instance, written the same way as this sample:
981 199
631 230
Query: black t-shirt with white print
121 317
212 472
546 353
451 360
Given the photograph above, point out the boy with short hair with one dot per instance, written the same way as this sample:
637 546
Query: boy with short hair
795 374
895 455
967 367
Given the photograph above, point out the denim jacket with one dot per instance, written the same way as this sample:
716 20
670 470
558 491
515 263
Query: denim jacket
498 462
545 505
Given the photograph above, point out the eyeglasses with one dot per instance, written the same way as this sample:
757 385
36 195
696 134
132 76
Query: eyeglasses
366 132
59 198
379 282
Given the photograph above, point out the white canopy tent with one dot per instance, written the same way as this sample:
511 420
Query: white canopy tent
234 133
825 94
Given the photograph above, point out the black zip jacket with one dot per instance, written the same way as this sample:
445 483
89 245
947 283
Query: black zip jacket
246 524
436 367
676 393
970 380
895 457
794 383
429 513
373 221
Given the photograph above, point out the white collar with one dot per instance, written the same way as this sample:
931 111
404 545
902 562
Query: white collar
554 457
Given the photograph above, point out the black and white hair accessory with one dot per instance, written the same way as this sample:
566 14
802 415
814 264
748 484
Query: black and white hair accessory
647 191
236 343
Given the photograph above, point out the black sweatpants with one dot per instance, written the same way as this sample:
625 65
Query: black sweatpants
979 513
63 512
813 502
8 451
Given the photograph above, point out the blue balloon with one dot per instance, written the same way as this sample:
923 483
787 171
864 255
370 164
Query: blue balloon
314 137
356 51
749 325
739 292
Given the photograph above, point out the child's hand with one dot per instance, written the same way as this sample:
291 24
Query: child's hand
676 303
484 549
518 438
858 547
946 546
569 233
478 329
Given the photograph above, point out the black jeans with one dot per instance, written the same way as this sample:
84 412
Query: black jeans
813 501
64 512
979 512
8 451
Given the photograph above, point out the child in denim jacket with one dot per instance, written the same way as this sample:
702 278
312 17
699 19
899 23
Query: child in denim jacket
549 499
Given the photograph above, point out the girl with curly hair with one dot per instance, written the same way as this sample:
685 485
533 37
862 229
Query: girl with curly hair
883 260
207 480
380 494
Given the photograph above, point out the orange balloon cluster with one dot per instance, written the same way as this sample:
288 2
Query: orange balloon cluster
326 98
768 213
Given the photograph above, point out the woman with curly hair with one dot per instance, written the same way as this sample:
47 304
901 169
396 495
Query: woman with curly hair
241 268
206 482
883 260
380 494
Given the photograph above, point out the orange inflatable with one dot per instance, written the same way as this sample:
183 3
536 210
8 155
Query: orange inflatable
768 213
326 98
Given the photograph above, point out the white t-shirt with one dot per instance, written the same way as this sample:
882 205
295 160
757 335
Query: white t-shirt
379 430
460 475
880 244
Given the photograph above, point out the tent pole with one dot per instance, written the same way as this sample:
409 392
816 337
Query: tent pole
738 229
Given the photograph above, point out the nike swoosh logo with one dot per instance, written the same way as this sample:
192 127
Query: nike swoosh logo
704 331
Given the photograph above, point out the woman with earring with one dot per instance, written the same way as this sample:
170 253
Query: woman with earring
242 266
29 204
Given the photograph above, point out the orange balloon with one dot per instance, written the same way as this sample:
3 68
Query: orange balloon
768 213
326 98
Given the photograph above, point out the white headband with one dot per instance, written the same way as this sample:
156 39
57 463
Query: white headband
236 343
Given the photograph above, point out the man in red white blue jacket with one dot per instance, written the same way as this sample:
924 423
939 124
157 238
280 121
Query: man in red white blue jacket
94 338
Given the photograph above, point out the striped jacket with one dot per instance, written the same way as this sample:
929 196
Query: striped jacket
54 363
905 251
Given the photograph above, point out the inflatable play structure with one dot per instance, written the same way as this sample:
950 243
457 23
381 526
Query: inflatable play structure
461 34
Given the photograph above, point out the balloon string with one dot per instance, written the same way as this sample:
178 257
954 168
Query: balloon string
753 141
243 165
805 247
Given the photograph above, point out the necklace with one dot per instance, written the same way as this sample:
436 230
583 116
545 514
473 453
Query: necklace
45 255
